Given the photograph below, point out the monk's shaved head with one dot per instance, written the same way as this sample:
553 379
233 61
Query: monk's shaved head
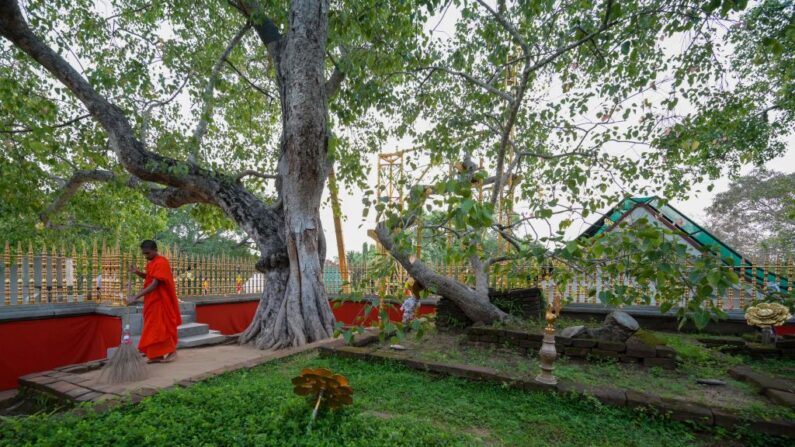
149 249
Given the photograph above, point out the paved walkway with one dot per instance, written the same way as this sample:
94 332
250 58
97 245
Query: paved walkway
81 382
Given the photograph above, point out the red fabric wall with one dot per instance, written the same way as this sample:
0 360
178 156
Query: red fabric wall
788 329
40 345
233 318
351 312
229 318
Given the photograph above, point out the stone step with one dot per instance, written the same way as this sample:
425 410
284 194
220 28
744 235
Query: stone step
186 330
137 321
187 308
211 338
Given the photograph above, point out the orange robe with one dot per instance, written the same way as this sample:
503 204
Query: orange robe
161 311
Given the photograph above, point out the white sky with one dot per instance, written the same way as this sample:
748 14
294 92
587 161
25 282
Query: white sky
355 226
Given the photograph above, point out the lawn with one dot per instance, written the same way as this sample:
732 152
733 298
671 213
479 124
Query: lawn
393 406
697 362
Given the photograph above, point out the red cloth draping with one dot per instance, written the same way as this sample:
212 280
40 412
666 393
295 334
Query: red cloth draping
40 345
229 318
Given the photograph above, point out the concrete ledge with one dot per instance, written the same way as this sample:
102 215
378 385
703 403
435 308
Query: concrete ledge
43 311
223 299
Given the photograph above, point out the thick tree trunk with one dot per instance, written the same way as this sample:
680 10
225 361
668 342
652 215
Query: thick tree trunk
473 302
295 308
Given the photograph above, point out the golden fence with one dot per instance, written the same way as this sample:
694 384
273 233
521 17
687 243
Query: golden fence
100 274
756 280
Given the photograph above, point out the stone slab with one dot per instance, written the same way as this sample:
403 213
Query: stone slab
726 419
572 331
775 428
571 351
781 397
643 350
665 352
629 359
601 353
612 346
41 380
665 363
583 342
637 399
78 392
686 411
90 396
747 374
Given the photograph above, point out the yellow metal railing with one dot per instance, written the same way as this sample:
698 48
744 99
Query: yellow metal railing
100 274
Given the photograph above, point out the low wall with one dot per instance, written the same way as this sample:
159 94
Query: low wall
649 317
29 346
229 318
634 351
232 315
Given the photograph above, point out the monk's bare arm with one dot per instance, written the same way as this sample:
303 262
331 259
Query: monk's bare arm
148 289
134 270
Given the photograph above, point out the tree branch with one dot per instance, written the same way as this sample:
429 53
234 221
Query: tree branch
495 260
252 173
508 27
488 87
248 81
263 25
159 103
166 197
528 69
54 126
334 82
207 96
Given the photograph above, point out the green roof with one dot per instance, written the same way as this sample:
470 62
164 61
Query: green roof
695 232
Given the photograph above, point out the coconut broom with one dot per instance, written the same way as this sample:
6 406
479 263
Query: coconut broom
126 365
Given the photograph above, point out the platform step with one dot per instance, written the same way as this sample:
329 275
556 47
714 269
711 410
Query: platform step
188 318
186 330
187 307
212 338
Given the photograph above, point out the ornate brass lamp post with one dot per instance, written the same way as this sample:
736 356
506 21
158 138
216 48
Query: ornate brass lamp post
548 354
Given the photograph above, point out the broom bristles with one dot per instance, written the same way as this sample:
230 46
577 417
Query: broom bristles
126 365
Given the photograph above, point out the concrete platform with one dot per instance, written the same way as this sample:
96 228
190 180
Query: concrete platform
81 383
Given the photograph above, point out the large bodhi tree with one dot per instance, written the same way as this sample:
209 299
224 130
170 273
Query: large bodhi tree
581 74
134 59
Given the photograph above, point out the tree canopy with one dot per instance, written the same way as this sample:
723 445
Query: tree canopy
755 215
539 111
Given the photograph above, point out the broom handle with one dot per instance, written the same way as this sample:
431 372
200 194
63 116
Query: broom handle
129 292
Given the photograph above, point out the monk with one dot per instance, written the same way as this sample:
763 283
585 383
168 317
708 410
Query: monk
161 307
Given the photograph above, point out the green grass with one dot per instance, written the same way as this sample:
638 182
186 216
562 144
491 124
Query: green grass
697 362
393 406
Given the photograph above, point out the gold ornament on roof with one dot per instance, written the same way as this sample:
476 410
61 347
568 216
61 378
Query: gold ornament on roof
767 314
